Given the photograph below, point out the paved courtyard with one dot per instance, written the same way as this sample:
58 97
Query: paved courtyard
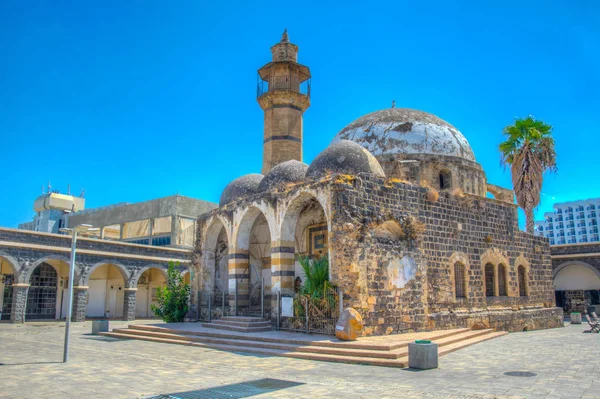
566 363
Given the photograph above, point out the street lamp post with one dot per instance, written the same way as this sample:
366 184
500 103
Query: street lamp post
82 228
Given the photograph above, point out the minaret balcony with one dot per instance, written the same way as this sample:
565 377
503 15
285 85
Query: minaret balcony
283 83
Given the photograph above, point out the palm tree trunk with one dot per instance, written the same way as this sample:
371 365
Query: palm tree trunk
529 224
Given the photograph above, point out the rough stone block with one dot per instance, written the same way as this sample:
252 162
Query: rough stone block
349 326
99 326
422 356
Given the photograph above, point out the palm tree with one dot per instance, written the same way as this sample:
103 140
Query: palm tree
529 150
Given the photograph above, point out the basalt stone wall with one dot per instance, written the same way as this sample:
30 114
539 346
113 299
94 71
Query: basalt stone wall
473 229
587 253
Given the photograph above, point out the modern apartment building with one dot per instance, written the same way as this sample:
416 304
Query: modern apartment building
571 222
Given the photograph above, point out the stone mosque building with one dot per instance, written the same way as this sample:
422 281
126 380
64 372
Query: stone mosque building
399 205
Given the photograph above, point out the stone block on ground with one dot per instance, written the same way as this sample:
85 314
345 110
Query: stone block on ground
99 326
349 326
422 356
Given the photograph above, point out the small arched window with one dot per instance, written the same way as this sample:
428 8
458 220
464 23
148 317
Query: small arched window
489 280
522 280
501 280
460 280
445 179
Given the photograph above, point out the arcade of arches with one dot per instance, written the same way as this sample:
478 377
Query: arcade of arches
105 295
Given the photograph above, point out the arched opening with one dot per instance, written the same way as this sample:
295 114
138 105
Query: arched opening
388 230
147 286
489 280
47 294
522 276
460 285
8 275
445 179
250 268
577 286
186 277
304 228
502 280
106 292
215 277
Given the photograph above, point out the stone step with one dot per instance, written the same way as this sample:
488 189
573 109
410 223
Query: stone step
268 352
300 340
240 323
468 342
236 328
266 345
348 353
245 319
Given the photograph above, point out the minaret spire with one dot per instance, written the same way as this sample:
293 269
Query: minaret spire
284 95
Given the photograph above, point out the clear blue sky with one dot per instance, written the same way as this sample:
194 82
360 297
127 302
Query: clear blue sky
142 99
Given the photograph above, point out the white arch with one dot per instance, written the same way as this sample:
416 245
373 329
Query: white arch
84 279
245 221
583 276
212 231
136 277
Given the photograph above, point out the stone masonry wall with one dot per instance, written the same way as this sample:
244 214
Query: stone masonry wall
479 230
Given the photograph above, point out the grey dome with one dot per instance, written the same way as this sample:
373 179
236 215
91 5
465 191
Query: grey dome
344 157
286 172
240 187
406 131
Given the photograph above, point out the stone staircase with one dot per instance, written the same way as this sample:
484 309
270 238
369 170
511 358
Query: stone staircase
240 324
389 351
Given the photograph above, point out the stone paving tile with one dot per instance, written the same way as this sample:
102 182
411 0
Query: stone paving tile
566 361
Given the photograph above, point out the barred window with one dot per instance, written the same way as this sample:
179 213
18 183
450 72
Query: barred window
489 280
459 280
501 280
522 281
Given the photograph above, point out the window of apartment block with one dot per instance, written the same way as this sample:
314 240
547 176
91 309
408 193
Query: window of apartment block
161 226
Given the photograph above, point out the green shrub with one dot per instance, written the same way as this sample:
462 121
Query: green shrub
173 299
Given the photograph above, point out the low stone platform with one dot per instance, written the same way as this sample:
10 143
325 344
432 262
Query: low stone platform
388 351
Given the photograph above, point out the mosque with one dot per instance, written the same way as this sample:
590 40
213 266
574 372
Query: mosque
398 204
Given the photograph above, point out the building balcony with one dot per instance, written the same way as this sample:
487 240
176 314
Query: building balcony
283 83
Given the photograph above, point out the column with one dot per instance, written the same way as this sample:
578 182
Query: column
239 280
19 303
282 271
129 304
79 303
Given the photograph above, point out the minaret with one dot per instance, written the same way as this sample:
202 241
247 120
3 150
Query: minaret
284 95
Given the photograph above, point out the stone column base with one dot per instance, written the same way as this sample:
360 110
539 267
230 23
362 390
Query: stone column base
129 304
19 303
79 303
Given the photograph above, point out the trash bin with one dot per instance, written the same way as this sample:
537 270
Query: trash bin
422 355
99 326
575 318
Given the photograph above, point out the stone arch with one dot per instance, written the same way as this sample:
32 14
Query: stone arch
243 223
211 276
290 213
214 227
462 259
186 275
494 257
587 268
133 281
26 275
390 230
12 263
84 278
